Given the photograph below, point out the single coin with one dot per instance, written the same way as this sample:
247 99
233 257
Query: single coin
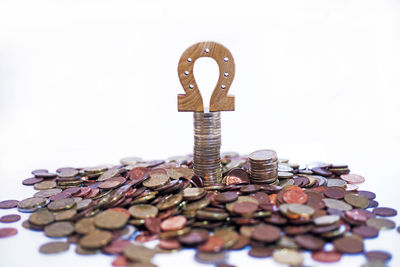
65 215
226 197
109 184
54 247
193 193
381 223
378 255
229 236
48 192
173 223
95 239
110 219
194 238
326 256
170 201
59 229
7 232
288 256
169 244
32 181
266 233
309 242
295 197
31 204
245 208
8 204
350 245
213 244
153 225
143 211
374 264
336 182
45 185
242 242
352 178
85 226
61 204
108 174
41 217
10 218
302 210
385 212
357 201
139 253
326 220
336 204
335 192
261 252
156 180
366 231
367 194
205 257
116 246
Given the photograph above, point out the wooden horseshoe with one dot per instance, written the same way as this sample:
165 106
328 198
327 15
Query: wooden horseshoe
192 99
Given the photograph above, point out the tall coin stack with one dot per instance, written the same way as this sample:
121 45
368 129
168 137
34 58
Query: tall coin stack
207 146
263 166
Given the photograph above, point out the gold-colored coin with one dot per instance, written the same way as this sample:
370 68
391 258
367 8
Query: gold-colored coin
228 235
54 247
177 173
143 211
381 223
31 204
59 229
169 202
45 185
61 204
110 219
202 203
139 253
336 204
288 256
85 251
65 215
357 201
156 180
85 226
41 217
213 216
108 174
95 239
173 234
192 193
300 209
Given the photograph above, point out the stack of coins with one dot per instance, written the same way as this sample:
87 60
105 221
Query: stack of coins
263 166
207 145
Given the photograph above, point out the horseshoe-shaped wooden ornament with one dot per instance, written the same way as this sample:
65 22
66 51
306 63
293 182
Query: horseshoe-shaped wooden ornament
220 100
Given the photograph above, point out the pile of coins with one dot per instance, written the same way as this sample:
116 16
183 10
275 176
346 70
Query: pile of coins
263 166
207 145
117 209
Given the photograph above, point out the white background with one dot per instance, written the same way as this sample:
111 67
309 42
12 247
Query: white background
88 82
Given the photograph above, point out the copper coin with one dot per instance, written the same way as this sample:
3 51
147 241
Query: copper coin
369 195
32 181
321 171
261 252
352 178
109 184
169 244
116 247
266 233
295 196
326 256
120 261
173 223
10 218
226 197
59 229
350 245
8 204
213 244
54 247
237 176
309 242
206 257
245 208
194 238
242 242
153 225
335 192
385 212
378 255
7 232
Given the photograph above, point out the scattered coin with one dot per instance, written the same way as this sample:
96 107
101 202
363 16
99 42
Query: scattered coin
288 256
59 229
95 239
350 245
385 212
7 232
143 211
10 218
378 255
381 223
8 204
110 219
54 247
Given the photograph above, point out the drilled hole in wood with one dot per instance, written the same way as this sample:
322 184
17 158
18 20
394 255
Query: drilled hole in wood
223 86
226 59
191 86
189 60
226 74
207 50
186 72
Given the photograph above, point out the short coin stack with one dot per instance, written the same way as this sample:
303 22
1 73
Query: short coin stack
207 145
263 166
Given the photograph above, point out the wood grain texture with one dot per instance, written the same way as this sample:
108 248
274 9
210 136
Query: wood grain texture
192 99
